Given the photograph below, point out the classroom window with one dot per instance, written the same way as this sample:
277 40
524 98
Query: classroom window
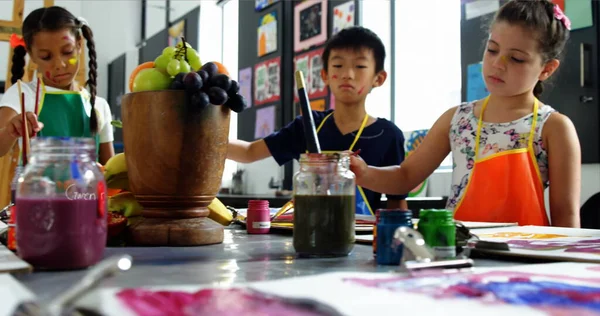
376 16
230 60
427 62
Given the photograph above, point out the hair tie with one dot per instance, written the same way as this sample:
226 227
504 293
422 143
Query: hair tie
16 41
559 15
82 21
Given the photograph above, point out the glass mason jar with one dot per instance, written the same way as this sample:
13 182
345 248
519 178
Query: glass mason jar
61 205
324 205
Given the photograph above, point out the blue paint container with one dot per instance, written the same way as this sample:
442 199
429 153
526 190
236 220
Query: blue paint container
389 221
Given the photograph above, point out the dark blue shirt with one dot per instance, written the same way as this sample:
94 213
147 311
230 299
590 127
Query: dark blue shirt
381 144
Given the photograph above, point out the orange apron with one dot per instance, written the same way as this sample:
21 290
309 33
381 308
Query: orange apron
506 186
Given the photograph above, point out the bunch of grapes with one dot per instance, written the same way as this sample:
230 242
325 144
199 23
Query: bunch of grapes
181 58
208 86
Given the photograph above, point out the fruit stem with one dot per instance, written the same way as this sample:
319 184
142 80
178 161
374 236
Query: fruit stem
184 49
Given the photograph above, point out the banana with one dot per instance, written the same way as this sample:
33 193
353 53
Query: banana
115 165
125 203
219 213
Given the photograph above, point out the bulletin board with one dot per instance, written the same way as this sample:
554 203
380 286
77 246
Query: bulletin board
261 74
258 118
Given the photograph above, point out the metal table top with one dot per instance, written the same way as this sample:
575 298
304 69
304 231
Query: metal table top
240 258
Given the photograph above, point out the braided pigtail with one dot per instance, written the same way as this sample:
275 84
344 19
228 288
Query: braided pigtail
92 74
17 70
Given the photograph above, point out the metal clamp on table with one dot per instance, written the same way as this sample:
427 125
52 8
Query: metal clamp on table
417 255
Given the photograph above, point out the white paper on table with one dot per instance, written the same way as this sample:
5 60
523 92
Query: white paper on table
353 298
9 262
12 292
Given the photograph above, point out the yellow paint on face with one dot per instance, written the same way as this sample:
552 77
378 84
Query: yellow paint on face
73 61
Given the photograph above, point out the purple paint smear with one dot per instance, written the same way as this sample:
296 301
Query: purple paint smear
223 302
583 246
553 294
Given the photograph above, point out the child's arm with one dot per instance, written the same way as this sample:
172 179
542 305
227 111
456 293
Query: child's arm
107 150
564 167
415 169
246 152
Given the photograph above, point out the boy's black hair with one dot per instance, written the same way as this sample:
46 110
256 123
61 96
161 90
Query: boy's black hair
55 19
538 17
356 37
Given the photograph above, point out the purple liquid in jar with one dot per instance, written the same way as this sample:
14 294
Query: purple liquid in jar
60 233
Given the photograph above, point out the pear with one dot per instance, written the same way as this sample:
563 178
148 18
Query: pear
115 172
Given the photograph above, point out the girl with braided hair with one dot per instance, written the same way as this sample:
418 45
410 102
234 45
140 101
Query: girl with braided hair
53 38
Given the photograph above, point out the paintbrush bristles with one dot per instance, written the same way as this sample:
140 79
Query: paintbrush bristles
299 80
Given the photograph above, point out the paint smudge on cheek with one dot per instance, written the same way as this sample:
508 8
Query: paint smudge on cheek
49 77
334 77
360 91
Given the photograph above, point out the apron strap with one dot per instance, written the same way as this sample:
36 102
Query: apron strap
360 130
362 127
480 124
323 121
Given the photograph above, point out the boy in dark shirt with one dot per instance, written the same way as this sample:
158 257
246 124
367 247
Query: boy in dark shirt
352 65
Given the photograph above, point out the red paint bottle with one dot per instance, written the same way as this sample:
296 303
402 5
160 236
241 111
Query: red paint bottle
258 219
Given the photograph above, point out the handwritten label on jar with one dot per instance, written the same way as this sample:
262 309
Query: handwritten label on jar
261 225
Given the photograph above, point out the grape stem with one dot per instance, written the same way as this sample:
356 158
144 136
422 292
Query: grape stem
184 50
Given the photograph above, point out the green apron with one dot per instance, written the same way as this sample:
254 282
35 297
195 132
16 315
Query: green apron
63 115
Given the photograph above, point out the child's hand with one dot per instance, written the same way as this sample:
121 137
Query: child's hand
359 167
15 126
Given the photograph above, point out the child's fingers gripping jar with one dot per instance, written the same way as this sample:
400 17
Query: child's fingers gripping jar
61 201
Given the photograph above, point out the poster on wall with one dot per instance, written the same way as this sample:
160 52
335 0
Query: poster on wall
343 16
262 4
265 122
477 8
245 82
267 81
310 24
315 105
267 34
476 88
311 64
176 32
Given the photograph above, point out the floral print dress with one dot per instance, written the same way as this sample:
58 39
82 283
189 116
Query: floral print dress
495 137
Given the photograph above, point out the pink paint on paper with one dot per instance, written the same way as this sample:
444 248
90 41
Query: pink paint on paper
225 302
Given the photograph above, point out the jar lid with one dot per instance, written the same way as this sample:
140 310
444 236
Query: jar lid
436 214
258 203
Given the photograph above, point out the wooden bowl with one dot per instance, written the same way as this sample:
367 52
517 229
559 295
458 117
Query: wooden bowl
175 157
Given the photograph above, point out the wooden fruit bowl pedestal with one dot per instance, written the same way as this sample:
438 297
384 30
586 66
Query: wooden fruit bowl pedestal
175 158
